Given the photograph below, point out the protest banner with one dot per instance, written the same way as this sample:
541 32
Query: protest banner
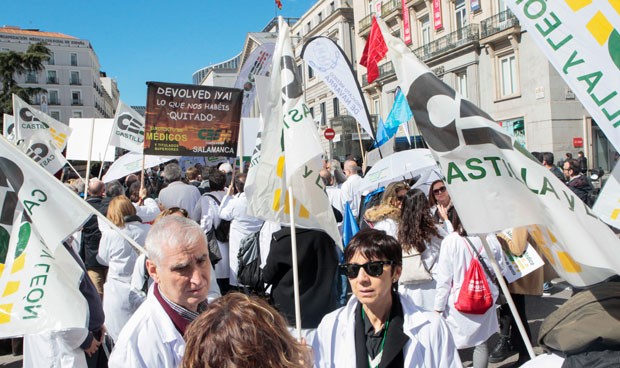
77 146
128 129
29 120
8 128
190 120
257 64
607 206
44 152
522 265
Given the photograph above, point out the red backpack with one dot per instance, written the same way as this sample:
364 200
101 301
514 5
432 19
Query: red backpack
475 295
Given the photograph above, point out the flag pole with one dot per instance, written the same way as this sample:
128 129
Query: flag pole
240 146
291 205
511 304
90 152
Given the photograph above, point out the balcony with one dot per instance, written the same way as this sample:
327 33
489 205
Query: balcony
54 101
498 23
390 9
451 41
76 102
386 70
31 79
52 80
75 82
364 25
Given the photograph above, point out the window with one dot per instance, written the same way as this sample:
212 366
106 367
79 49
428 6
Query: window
509 84
53 97
51 61
308 27
461 17
425 33
336 103
310 72
332 7
77 114
323 114
55 114
74 59
52 77
31 77
76 98
377 106
300 71
461 83
320 16
501 6
75 78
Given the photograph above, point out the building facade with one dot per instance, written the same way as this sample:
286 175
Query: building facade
71 77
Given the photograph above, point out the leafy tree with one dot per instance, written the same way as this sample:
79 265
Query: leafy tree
13 64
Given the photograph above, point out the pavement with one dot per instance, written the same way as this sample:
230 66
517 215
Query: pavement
538 307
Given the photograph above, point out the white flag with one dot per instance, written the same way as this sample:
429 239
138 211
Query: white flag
332 66
39 287
8 128
607 205
495 184
256 65
55 211
131 162
290 152
44 152
581 40
128 129
29 120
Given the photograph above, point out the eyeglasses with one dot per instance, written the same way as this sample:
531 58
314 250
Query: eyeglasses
439 190
374 269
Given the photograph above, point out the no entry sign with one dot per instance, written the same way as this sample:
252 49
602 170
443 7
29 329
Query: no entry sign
329 134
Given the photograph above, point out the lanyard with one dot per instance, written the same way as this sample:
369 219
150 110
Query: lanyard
374 363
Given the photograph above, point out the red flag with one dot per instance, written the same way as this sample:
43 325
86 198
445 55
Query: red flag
279 4
374 51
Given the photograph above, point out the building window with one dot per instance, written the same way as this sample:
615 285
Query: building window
51 61
509 83
75 78
76 98
308 27
53 97
320 16
461 17
332 7
74 59
310 72
377 106
31 77
336 106
77 114
52 77
300 71
461 83
323 114
55 114
501 6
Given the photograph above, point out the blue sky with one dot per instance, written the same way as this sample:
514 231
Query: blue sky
152 40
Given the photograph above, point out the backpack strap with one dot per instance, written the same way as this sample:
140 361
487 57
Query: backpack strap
212 197
488 272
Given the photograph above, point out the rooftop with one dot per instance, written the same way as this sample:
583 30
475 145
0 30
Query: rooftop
32 32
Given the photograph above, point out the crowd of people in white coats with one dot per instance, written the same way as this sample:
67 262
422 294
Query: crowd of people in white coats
389 300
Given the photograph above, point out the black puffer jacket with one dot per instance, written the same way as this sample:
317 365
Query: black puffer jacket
580 186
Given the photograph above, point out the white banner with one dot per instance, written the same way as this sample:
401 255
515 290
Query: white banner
77 149
55 211
607 206
580 40
257 64
44 152
332 66
520 266
131 162
40 287
247 136
127 129
8 128
29 120
495 184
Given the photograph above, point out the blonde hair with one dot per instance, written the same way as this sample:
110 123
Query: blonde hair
120 206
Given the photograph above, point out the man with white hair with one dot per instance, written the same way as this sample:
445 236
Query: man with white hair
177 193
351 185
179 263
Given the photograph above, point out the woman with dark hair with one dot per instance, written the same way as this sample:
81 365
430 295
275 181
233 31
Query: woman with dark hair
379 326
242 331
441 205
457 251
120 301
420 237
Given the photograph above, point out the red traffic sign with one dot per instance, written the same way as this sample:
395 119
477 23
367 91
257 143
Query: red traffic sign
329 134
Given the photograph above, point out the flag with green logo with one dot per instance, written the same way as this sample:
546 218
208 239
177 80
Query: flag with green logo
29 120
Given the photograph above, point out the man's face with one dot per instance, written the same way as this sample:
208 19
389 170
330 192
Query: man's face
567 171
184 273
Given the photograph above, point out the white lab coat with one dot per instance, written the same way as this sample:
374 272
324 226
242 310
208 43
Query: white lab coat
120 301
430 343
149 339
208 211
388 225
454 259
148 211
235 209
351 190
55 349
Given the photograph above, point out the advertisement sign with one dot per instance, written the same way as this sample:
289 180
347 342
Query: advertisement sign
475 5
437 19
190 120
406 28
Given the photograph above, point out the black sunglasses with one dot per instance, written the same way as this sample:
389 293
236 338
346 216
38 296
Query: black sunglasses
374 269
439 190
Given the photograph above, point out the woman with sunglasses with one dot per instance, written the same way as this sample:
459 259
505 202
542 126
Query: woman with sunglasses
379 326
419 234
441 205
386 215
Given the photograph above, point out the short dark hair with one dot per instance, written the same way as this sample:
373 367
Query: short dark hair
240 182
217 180
114 189
537 155
374 244
574 165
548 158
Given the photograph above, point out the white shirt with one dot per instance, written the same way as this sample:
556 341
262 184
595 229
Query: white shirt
208 211
179 194
351 190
